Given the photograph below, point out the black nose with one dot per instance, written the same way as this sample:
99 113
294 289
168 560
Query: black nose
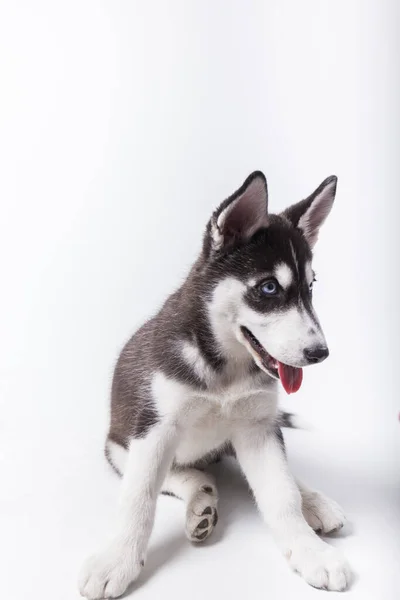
316 354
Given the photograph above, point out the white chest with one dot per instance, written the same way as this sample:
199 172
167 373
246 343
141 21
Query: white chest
212 418
208 418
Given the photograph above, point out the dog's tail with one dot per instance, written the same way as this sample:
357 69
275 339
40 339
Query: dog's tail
291 421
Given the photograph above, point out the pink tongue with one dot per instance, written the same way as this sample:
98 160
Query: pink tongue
291 377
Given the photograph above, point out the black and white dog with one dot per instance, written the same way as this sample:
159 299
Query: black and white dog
200 380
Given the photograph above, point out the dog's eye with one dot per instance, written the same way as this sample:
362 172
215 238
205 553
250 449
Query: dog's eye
269 287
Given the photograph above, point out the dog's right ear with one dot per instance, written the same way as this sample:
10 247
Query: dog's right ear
240 215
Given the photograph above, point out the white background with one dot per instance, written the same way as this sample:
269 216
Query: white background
123 124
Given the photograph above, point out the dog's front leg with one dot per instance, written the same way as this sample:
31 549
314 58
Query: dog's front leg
108 573
261 454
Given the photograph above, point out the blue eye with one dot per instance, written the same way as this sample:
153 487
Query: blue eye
269 288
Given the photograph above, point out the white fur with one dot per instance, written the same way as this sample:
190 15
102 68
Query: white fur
169 395
198 490
285 334
108 573
279 500
320 512
186 483
223 312
284 275
206 419
196 361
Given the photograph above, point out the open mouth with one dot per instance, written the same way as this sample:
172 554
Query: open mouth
291 377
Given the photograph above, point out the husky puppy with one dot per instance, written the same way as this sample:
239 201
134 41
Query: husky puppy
200 380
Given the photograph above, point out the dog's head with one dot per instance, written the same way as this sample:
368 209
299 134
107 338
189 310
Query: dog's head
260 268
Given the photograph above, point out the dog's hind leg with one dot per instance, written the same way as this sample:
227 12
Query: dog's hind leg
321 513
198 490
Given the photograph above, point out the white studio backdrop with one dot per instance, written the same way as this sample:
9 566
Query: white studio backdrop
122 125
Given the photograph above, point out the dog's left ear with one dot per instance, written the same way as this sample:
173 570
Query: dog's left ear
240 215
308 215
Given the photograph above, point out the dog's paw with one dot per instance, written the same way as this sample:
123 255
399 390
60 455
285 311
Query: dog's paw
201 514
108 574
322 513
319 564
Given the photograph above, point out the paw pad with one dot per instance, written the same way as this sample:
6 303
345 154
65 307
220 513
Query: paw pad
198 528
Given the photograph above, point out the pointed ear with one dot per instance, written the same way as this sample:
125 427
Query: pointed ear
240 215
308 215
